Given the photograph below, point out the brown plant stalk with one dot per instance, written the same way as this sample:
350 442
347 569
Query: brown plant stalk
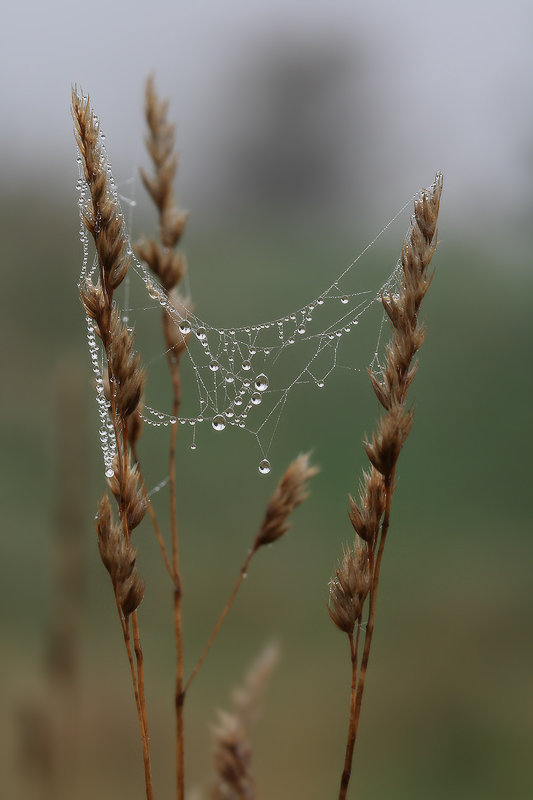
125 383
358 574
169 267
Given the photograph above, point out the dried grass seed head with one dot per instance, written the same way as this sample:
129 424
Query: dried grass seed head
102 215
124 484
128 376
119 558
366 516
349 587
290 493
170 267
232 755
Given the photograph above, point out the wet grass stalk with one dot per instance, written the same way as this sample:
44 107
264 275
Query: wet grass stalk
357 576
125 383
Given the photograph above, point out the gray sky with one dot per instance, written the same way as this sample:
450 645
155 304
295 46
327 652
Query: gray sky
443 85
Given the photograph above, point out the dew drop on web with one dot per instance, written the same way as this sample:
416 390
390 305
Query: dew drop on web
261 383
219 423
264 467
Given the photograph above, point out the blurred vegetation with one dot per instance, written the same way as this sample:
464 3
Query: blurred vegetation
449 700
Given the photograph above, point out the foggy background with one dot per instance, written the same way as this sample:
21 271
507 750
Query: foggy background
302 128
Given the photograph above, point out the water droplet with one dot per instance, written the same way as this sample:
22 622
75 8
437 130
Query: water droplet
237 401
200 332
213 366
109 473
185 328
229 413
355 322
320 384
264 467
301 329
320 301
173 420
256 398
246 383
344 299
193 446
261 383
246 365
229 379
219 423
290 341
267 351
253 351
152 290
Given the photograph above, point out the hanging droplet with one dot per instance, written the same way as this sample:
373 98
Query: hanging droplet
219 423
246 365
246 383
320 384
229 413
320 301
344 299
109 473
213 366
229 378
261 383
200 332
256 398
193 446
301 329
264 467
185 328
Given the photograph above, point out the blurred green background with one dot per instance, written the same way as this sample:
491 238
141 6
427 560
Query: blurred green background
448 709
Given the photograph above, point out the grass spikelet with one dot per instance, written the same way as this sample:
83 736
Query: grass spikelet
232 750
290 493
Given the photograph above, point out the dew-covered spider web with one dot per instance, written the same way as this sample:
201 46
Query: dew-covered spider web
240 377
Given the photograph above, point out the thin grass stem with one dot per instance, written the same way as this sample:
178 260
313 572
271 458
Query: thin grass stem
242 575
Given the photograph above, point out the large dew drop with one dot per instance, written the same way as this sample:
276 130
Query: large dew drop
261 383
185 328
264 467
219 423
200 332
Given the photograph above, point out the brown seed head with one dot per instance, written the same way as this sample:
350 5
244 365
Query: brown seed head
129 378
290 493
125 486
366 516
349 587
119 558
388 440
102 216
232 751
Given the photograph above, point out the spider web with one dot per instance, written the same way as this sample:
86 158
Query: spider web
240 378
